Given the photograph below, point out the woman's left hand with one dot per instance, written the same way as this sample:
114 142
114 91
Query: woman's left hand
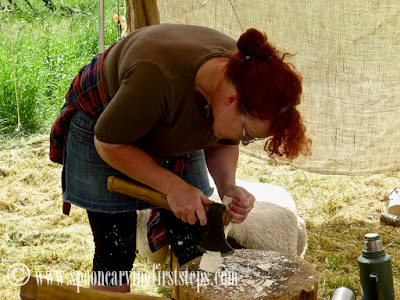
242 202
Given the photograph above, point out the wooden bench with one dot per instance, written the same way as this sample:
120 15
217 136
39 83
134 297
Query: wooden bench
59 291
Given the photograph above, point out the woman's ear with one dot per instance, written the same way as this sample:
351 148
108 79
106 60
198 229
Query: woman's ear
232 98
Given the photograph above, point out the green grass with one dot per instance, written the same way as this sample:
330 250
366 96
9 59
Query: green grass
48 50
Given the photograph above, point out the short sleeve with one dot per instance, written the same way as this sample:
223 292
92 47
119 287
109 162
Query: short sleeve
140 102
228 142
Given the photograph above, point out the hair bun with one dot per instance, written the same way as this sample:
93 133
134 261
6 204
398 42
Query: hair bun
251 43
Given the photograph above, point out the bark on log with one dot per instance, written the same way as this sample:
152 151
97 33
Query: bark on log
259 275
389 219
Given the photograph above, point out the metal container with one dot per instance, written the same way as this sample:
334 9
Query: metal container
375 270
343 293
372 243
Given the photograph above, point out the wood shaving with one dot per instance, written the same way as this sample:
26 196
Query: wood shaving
258 277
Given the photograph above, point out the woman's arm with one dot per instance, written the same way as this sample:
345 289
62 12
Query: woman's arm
222 162
185 200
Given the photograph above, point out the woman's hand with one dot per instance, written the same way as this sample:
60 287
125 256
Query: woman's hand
221 162
187 203
242 202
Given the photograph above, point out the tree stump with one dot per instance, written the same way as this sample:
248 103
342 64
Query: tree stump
250 274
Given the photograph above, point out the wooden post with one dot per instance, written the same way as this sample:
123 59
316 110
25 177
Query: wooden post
140 13
101 26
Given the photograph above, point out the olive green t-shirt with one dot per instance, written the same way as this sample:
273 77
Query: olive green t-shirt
150 78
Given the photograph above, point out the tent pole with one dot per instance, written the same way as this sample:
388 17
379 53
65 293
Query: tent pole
101 26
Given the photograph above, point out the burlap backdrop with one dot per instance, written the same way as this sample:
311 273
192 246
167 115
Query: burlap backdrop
348 53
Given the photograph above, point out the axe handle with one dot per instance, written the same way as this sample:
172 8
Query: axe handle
141 192
146 194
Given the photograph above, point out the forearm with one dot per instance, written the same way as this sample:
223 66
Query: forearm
186 201
138 165
222 162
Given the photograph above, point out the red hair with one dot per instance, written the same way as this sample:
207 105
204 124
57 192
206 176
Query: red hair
269 89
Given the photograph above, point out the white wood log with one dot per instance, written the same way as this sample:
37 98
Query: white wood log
394 203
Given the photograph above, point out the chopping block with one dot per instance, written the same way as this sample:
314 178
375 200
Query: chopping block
250 274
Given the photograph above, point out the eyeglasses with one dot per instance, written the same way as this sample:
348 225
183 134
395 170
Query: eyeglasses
245 140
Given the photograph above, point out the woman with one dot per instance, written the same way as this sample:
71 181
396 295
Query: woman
160 107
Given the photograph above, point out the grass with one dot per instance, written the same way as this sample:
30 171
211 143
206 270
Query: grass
338 212
48 49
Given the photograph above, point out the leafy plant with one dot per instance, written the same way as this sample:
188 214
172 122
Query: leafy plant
48 48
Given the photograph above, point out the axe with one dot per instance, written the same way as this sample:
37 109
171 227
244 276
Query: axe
217 217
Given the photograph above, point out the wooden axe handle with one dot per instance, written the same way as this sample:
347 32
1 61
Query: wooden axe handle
138 191
146 194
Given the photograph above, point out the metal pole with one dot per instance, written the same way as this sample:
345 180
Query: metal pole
101 26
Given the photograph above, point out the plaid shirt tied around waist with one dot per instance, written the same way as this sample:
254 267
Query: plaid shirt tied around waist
86 93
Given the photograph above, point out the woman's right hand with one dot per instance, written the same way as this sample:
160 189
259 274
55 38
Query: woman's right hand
187 203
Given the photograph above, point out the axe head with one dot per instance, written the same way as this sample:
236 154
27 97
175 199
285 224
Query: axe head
214 236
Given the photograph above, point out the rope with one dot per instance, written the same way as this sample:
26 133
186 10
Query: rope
13 64
205 2
236 15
